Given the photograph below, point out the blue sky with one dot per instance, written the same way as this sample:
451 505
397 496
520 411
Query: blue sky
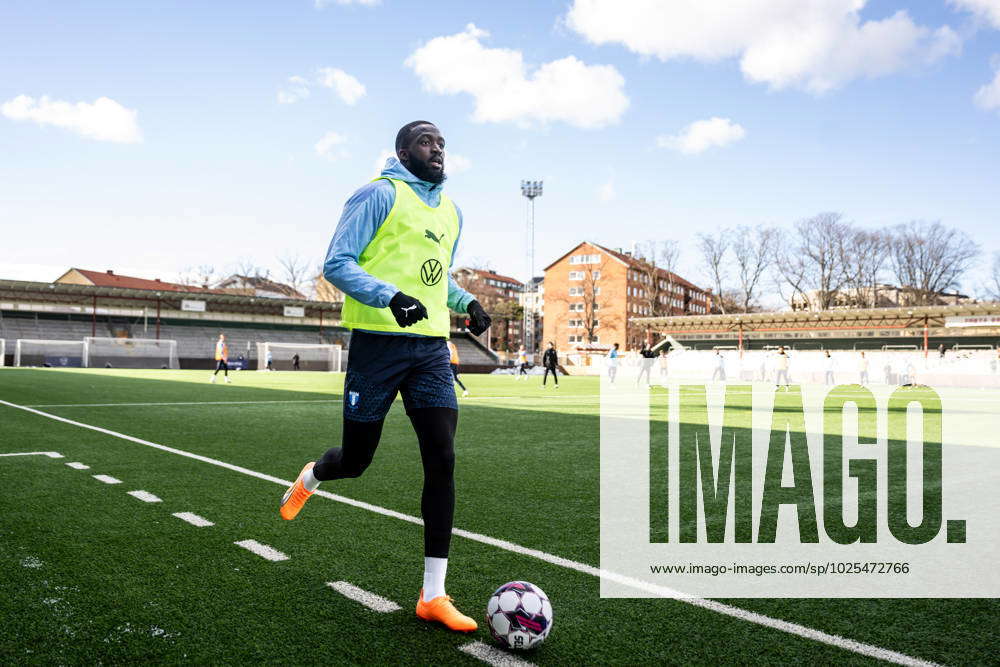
196 161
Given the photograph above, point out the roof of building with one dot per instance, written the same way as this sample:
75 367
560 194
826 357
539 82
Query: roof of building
111 279
628 260
259 283
483 273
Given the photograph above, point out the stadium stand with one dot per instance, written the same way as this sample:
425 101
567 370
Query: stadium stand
47 311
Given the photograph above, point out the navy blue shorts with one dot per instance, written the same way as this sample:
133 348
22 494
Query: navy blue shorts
380 365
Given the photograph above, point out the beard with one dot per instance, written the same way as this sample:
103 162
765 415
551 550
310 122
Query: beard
423 171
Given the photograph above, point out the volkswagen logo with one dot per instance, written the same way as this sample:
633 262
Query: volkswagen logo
430 272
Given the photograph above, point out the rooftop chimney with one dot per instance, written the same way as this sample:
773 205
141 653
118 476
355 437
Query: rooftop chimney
110 272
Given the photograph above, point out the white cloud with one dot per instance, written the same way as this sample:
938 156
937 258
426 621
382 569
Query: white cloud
506 89
348 88
455 163
330 146
817 45
383 155
988 97
322 4
606 192
701 135
104 119
989 10
297 89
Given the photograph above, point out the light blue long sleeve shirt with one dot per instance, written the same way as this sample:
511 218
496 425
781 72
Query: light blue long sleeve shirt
363 214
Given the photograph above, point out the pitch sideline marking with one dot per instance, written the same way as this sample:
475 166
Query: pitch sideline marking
711 605
107 479
193 519
168 403
493 656
77 465
262 550
145 496
367 598
51 455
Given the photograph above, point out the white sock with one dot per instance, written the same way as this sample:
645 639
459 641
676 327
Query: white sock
309 480
435 570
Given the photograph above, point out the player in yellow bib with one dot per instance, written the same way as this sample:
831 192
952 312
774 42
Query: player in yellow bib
391 256
221 358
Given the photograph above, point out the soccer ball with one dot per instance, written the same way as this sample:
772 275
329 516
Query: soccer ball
519 615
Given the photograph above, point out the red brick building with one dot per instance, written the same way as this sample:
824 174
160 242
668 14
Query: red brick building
499 296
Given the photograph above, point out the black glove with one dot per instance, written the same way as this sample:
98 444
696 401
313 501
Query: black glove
406 309
478 321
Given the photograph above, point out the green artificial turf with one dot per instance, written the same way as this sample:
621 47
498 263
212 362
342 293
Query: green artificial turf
91 575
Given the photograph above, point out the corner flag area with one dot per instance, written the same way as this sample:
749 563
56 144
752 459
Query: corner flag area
140 524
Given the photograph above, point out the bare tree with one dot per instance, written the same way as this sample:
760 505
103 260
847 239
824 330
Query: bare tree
201 276
812 262
866 253
713 252
993 284
250 269
753 252
658 261
296 272
928 258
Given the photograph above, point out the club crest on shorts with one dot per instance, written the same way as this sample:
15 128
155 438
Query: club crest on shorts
352 398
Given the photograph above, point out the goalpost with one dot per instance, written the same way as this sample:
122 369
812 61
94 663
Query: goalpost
53 353
130 353
311 357
3 352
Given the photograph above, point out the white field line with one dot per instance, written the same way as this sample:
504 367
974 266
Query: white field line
262 550
51 455
370 600
107 479
78 465
493 656
145 496
193 519
711 605
169 403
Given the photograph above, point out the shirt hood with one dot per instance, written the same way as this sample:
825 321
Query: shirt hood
394 169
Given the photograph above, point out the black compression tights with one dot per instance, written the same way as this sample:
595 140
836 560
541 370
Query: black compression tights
435 429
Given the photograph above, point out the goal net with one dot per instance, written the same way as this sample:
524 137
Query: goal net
311 357
50 353
130 353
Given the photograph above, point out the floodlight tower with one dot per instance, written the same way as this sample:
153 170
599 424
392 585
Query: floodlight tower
530 189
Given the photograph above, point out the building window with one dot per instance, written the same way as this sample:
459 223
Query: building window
576 291
576 275
585 259
573 307
596 275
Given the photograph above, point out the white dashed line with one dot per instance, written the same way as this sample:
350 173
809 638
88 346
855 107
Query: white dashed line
262 550
145 496
51 455
193 519
370 600
493 656
78 465
107 479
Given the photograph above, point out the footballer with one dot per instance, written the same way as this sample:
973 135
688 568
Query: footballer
391 255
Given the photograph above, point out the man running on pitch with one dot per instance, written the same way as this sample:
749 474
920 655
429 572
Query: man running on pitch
391 255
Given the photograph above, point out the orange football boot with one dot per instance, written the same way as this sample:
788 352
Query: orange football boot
296 496
441 609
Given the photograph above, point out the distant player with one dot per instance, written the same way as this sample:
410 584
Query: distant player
221 358
453 351
613 358
550 360
781 376
522 363
720 367
863 369
391 255
645 365
295 361
663 364
828 365
270 360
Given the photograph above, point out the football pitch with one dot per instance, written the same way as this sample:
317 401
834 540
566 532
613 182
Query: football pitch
94 572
